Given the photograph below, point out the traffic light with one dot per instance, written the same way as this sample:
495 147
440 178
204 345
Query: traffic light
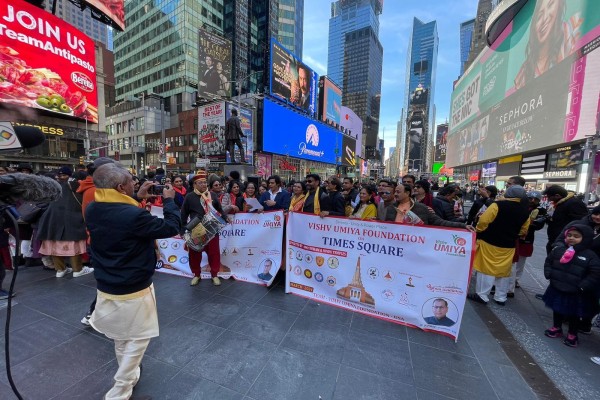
81 160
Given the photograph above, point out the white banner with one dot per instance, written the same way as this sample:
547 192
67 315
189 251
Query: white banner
250 250
411 275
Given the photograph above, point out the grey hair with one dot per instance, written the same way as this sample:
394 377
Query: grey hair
109 176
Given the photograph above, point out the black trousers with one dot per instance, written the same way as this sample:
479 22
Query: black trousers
573 322
231 149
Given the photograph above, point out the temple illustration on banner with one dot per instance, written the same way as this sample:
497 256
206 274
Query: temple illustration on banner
356 291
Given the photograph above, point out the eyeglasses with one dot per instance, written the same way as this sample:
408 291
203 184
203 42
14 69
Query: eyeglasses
309 181
382 193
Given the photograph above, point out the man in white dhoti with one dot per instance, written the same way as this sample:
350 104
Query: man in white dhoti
123 254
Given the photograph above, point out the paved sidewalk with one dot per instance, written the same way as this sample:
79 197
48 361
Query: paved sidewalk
526 318
243 341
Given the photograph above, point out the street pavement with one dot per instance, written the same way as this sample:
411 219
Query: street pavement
244 341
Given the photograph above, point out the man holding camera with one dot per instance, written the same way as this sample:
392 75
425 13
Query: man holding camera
123 255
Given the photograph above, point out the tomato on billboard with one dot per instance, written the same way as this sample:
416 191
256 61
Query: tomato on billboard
114 10
46 63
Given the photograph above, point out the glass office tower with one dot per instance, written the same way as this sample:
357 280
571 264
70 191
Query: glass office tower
291 25
158 51
421 66
466 36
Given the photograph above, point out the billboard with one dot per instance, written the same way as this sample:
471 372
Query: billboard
214 60
330 101
354 125
46 63
419 96
537 86
304 138
441 137
348 156
112 12
246 122
211 132
291 80
415 136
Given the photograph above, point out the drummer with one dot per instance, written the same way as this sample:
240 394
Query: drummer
194 205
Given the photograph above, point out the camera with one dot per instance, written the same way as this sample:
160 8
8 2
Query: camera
158 189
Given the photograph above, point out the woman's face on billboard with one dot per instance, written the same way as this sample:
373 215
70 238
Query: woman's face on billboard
546 18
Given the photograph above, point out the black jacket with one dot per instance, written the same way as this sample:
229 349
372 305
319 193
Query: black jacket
587 220
566 211
425 213
63 220
477 205
582 273
122 240
336 204
444 208
282 200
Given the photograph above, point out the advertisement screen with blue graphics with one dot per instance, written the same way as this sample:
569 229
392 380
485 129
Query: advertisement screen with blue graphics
288 133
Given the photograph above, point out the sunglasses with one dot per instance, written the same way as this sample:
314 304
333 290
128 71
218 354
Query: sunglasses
309 181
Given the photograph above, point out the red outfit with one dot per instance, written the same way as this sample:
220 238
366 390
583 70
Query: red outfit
214 258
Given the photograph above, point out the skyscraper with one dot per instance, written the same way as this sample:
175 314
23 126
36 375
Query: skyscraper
82 20
478 42
348 16
291 25
421 67
466 35
355 61
158 52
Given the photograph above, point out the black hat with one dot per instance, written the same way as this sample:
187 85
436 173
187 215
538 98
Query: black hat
66 170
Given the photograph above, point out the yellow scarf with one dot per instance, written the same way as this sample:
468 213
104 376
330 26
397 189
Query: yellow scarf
204 196
113 196
297 203
315 202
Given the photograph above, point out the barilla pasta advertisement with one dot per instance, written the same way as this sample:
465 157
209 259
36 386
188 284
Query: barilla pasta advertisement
46 63
411 275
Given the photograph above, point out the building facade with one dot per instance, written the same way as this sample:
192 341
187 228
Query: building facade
291 25
355 61
82 20
466 37
478 41
348 16
421 65
158 51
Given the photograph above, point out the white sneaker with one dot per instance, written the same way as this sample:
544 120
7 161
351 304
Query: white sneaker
60 274
595 360
84 271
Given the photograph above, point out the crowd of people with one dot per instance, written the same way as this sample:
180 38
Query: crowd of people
103 198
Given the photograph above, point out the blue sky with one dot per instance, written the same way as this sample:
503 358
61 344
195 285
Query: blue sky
394 32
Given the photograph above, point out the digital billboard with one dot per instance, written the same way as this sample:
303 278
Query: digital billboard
536 87
330 101
304 138
441 136
112 12
415 136
46 63
354 125
348 153
214 59
419 96
291 80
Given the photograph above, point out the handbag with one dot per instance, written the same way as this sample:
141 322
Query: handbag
29 212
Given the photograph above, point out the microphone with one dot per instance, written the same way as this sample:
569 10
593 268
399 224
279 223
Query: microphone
19 137
34 188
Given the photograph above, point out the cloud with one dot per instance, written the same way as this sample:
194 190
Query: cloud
318 66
